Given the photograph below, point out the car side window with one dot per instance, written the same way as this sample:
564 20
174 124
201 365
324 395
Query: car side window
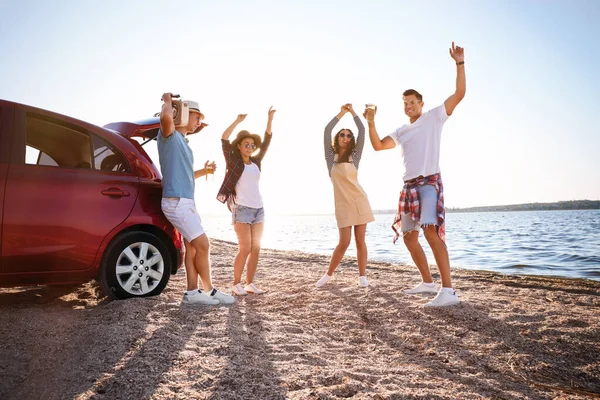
36 157
107 158
54 144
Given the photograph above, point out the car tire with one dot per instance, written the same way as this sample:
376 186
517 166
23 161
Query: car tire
135 264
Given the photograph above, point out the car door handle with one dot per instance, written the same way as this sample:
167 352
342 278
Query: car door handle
115 192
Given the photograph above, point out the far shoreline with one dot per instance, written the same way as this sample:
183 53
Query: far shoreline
572 205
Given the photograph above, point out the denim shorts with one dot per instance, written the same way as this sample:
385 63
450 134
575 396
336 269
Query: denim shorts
428 198
247 215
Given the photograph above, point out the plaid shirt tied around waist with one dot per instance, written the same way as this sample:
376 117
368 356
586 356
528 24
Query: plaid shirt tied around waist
410 203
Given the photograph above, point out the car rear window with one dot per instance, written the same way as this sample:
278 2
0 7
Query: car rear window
107 158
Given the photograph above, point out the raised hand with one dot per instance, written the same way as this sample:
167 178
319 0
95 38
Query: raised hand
233 125
370 111
210 166
457 53
270 121
168 96
350 109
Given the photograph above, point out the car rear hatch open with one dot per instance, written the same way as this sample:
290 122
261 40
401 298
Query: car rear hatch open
146 129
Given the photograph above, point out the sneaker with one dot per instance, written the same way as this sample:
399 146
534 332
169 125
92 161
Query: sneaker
423 288
239 290
444 298
362 281
221 297
199 298
251 288
323 281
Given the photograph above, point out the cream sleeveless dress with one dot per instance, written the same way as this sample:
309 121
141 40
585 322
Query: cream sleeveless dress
351 203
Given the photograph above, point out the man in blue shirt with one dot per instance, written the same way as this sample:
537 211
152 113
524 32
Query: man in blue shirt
177 167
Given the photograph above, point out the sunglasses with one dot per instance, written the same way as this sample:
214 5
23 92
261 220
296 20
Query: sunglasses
250 146
346 135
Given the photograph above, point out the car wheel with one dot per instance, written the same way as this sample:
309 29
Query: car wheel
136 264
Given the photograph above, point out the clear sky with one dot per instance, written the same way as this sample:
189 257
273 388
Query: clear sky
527 130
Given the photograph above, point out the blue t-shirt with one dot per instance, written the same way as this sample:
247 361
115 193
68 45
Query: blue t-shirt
177 166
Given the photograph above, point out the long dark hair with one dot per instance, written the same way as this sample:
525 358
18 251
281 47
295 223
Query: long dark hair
336 144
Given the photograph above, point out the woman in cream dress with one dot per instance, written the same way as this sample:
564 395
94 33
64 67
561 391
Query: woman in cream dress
352 207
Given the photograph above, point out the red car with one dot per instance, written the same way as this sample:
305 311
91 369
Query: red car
81 202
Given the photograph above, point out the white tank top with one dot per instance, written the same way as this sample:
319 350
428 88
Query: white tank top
246 189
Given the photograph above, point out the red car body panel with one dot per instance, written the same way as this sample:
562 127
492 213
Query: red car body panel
57 222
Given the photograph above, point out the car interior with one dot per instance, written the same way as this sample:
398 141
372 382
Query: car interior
54 144
65 146
113 162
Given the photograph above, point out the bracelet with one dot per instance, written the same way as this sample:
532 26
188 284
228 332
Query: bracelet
460 63
370 120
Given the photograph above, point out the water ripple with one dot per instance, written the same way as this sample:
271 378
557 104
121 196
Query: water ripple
559 243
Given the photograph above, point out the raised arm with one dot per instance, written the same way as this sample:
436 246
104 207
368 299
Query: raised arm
268 135
377 143
270 121
327 140
458 55
360 136
233 125
167 125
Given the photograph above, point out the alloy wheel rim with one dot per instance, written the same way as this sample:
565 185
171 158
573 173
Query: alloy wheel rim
140 268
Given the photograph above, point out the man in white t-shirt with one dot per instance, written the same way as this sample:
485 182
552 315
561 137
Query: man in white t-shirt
421 202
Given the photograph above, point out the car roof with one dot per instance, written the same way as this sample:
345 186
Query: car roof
54 114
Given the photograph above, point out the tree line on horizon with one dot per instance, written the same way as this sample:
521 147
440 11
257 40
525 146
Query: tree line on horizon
559 205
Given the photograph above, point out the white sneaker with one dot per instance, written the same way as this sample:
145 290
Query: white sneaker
323 281
251 288
362 281
423 288
443 299
239 290
199 298
223 298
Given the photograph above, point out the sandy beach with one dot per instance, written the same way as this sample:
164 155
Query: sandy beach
512 337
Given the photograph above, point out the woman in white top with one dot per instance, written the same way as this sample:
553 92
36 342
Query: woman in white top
241 192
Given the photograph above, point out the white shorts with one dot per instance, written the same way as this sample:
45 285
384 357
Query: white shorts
181 212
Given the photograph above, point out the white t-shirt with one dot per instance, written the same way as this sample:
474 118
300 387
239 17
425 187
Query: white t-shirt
421 142
246 188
